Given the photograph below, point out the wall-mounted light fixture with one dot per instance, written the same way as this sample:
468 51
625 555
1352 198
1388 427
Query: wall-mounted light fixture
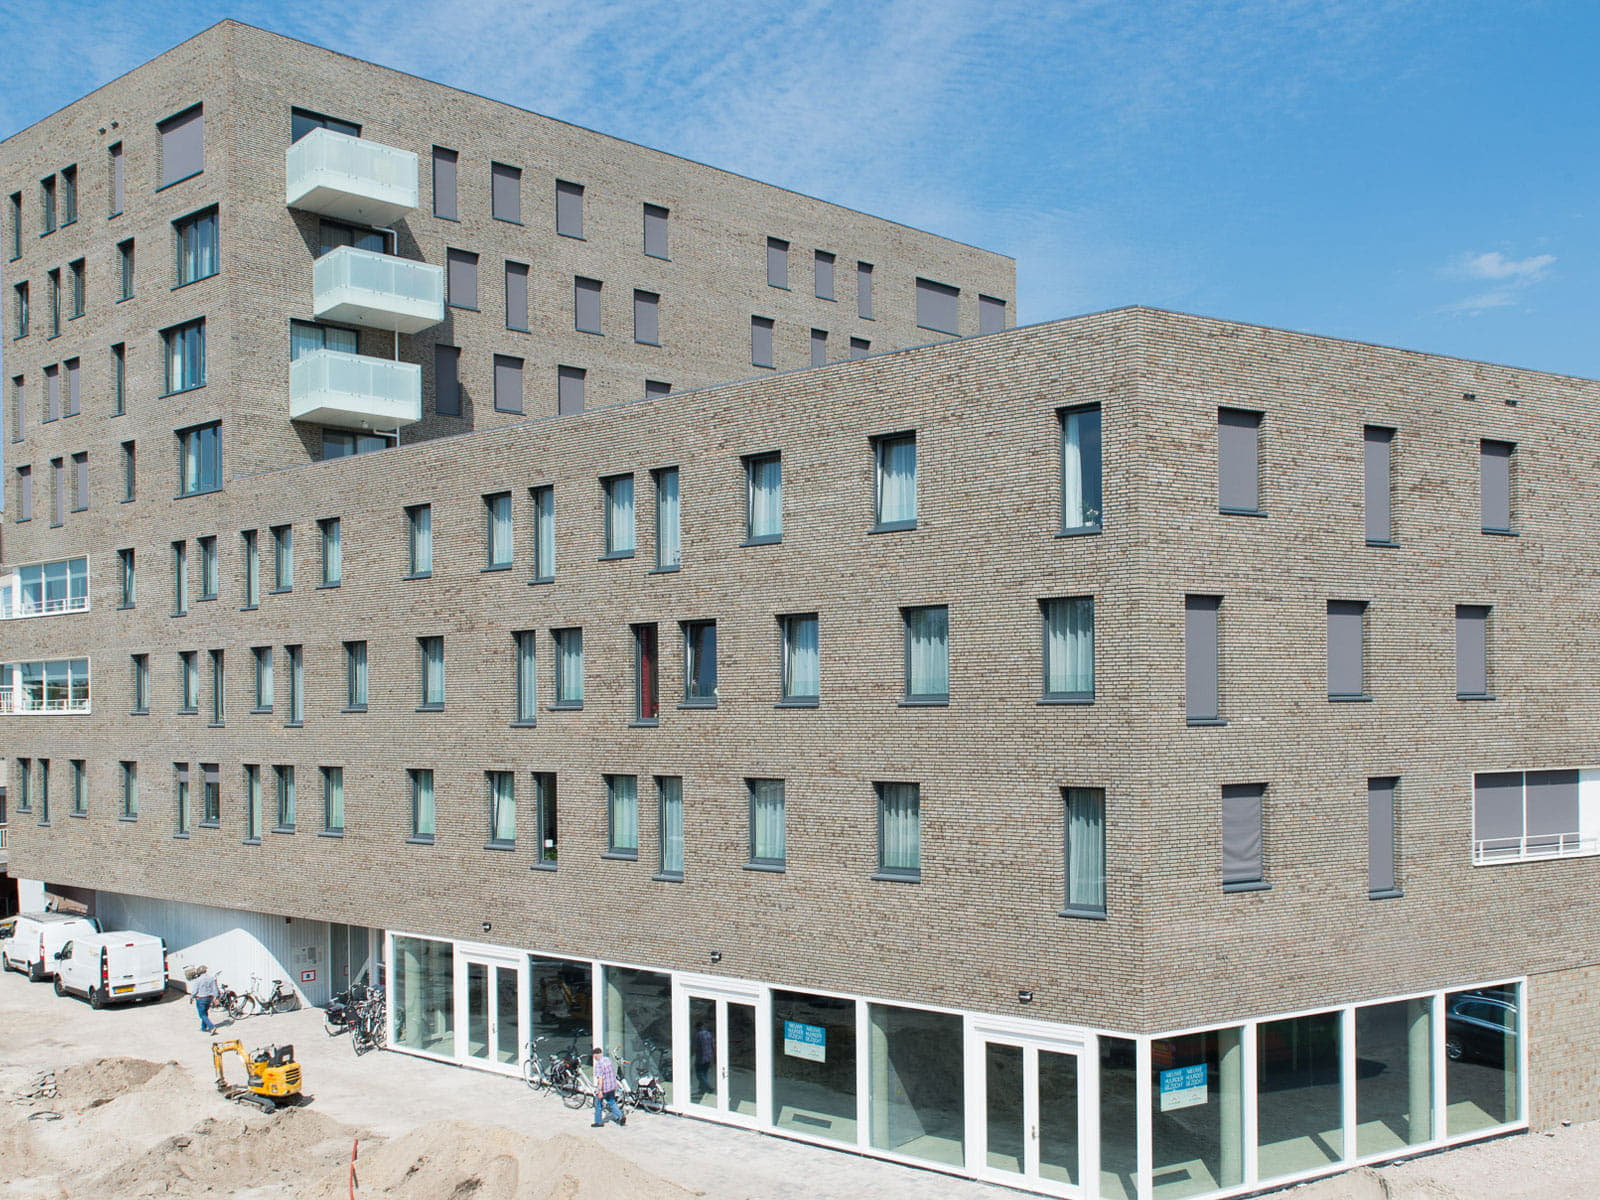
716 956
1024 995
487 926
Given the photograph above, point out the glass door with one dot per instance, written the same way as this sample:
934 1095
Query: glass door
717 1037
1029 1118
489 992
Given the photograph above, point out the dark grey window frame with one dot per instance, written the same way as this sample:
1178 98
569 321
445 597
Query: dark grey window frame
1383 838
445 183
414 780
766 862
1093 912
750 463
511 193
559 667
462 259
587 313
897 874
356 682
787 697
1244 814
1342 614
546 823
690 629
910 698
1238 455
1465 616
425 680
777 263
489 779
1202 656
1065 697
664 873
569 209
1497 486
1377 446
613 850
656 221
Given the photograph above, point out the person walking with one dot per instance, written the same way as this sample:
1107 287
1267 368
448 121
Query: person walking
605 1089
205 994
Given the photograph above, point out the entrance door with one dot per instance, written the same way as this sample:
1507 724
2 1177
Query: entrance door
489 992
717 1041
1029 1119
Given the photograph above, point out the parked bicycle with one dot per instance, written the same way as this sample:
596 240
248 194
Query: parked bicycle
539 1069
257 1000
340 1015
229 1000
642 1090
370 1029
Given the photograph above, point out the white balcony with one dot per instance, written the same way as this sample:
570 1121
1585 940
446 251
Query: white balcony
352 391
25 700
350 178
377 291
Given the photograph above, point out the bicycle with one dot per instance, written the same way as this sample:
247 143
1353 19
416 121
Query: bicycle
229 1000
645 1090
280 999
575 1087
538 1072
368 1032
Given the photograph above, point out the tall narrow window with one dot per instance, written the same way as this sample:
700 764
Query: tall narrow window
619 522
188 682
586 305
895 502
252 568
196 238
210 576
1200 639
119 379
763 498
419 540
24 494
822 272
19 407
527 680
1472 652
700 663
497 531
502 809
430 654
126 580
646 675
182 798
1080 470
262 659
516 296
1383 881
668 548
332 547
669 808
77 283
286 806
801 675
819 347
507 384
282 558
777 263
655 230
938 306
422 806
80 481
15 241
899 832
447 380
864 290
47 205
80 787
355 677
130 790
544 820
252 802
141 682
767 835
444 183
69 195
569 209
52 393
180 578
761 341
333 800
297 684
129 472
200 459
927 654
1068 648
20 309
1085 851
58 491
544 533
185 356
219 691
1238 461
1242 837
569 667
1378 447
1346 646
118 189
183 145
1494 474
125 270
461 279
505 193
646 318
622 809
991 314
570 383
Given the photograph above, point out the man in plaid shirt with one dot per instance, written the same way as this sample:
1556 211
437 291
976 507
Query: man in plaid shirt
605 1089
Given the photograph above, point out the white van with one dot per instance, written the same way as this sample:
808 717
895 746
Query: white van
108 968
37 937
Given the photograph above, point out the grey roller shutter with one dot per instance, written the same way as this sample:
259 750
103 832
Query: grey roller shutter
824 275
991 314
505 193
761 341
655 231
1497 811
1472 660
446 381
52 391
819 347
507 384
1200 657
860 347
938 306
864 290
1494 472
657 387
1378 443
80 501
569 209
73 396
569 389
444 183
1241 833
1238 460
516 295
1345 620
1552 809
461 283
586 305
1380 835
116 179
183 145
646 318
777 263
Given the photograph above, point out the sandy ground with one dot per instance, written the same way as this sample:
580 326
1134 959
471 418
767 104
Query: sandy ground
137 1117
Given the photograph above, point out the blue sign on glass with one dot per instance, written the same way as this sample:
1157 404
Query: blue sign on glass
1183 1087
805 1041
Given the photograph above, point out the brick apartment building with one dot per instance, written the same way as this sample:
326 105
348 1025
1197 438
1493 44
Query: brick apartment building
1132 756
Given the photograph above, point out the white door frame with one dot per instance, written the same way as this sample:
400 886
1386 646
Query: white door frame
722 992
493 958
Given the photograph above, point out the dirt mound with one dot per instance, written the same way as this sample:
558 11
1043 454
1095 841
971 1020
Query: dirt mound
94 1083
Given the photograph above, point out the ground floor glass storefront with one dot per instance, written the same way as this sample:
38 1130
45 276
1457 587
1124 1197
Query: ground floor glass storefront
1050 1108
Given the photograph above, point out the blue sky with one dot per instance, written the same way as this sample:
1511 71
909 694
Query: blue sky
1417 174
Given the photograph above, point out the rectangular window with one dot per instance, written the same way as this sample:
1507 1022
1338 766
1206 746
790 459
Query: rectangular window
355 676
569 390
188 682
297 685
669 808
760 341
183 145
58 490
185 356
252 803
763 474
118 189
895 496
130 790
20 308
77 283
516 296
196 238
419 540
617 493
47 205
125 270
16 223
1472 652
24 494
622 811
668 544
80 787
52 393
927 632
938 306
69 195
333 800
819 347
767 841
262 658
126 579
282 558
569 667
505 193
991 314
1238 461
777 263
1382 828
1378 447
1202 704
527 678
80 481
422 808
461 279
1347 621
252 568
22 778
646 675
586 305
129 475
655 230
864 290
544 820
1068 648
119 380
331 543
431 658
801 682
899 832
447 381
1494 475
181 798
55 301
444 183
497 531
700 663
569 209
507 384
646 318
1085 851
219 691
543 500
502 809
209 581
141 682
1080 470
1242 856
180 578
210 795
822 263
19 407
1518 816
285 794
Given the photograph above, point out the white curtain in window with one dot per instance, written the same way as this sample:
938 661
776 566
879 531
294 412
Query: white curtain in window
897 480
422 804
433 670
333 797
500 531
545 516
503 800
422 540
569 666
766 497
619 515
927 630
667 549
527 678
801 666
624 812
1069 646
1086 849
332 553
901 827
766 820
358 674
1080 469
671 826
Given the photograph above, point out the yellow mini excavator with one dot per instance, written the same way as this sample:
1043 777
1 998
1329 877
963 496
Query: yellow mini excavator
272 1077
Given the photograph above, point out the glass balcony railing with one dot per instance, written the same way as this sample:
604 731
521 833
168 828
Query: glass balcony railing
377 291
350 178
353 391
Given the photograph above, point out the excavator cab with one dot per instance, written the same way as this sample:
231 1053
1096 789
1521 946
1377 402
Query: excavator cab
272 1076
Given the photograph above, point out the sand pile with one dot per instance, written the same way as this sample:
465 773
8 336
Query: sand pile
91 1084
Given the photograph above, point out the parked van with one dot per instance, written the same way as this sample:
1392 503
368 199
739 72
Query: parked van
37 937
109 968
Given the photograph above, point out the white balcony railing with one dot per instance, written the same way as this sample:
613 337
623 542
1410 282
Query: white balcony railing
1533 846
12 607
377 291
350 178
353 391
17 700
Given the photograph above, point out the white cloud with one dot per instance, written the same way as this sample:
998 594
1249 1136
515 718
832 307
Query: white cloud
1511 278
1494 265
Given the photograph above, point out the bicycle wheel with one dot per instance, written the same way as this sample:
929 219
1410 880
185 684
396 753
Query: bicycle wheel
652 1099
531 1074
285 1002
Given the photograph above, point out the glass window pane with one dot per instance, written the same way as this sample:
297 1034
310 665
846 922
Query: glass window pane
1197 1113
767 838
1300 1100
638 1018
424 1004
667 543
671 790
814 1065
1394 1083
916 1084
1482 1059
1080 469
897 479
1069 648
560 1003
800 663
